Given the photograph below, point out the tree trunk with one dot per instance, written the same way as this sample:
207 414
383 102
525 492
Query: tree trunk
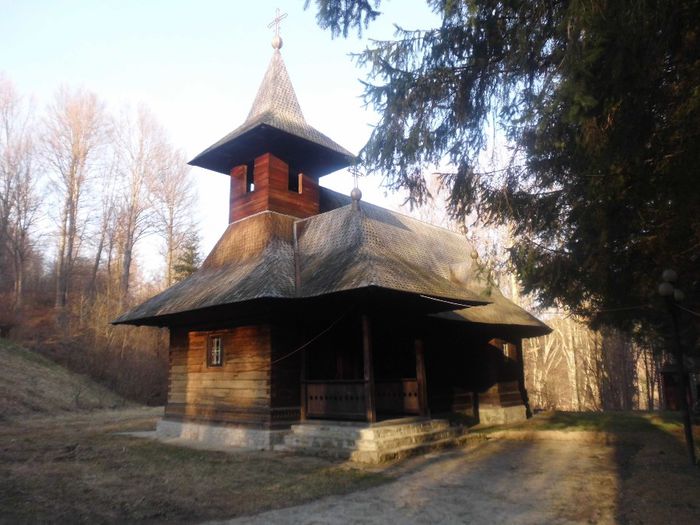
96 265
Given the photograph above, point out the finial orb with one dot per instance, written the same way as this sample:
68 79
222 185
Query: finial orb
277 42
356 194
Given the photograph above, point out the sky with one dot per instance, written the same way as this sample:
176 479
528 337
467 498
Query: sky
197 65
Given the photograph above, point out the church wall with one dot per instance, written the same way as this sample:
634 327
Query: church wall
236 392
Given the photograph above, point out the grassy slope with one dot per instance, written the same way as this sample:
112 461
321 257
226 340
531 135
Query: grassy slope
31 384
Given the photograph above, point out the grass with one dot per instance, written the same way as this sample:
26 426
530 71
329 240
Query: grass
613 422
75 469
30 385
617 421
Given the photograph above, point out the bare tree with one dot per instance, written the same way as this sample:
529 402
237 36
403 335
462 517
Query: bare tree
144 156
26 208
19 202
174 197
107 213
75 130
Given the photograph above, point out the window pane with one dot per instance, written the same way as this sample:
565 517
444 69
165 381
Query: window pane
216 351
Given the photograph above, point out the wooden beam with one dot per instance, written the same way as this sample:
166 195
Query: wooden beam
303 407
420 376
370 404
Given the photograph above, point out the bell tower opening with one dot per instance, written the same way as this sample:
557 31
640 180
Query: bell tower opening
250 177
295 180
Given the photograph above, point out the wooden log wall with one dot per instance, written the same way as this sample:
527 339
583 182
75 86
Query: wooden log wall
505 394
236 392
271 178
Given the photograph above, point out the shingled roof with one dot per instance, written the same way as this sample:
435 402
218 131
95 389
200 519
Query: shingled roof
338 251
275 124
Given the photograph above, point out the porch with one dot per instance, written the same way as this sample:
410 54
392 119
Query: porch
342 378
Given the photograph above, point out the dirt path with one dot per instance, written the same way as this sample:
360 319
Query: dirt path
515 482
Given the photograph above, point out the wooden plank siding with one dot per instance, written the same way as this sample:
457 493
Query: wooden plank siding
271 178
505 394
236 392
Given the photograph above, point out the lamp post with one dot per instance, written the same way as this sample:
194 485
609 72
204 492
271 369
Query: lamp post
672 295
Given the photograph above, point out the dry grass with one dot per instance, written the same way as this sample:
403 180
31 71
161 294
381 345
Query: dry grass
30 384
75 469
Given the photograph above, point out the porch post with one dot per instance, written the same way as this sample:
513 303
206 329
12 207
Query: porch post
369 369
303 408
420 376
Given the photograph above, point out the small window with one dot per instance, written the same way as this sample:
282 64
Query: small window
295 181
215 353
250 177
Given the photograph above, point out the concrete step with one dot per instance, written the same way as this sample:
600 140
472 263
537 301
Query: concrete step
377 431
334 439
371 443
383 456
411 440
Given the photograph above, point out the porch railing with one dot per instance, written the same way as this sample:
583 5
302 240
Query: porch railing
341 399
399 396
345 399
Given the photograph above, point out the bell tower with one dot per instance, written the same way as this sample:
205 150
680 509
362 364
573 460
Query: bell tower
275 158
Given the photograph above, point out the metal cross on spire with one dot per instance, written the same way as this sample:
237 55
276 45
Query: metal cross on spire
279 16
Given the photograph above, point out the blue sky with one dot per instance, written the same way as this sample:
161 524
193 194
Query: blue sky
197 66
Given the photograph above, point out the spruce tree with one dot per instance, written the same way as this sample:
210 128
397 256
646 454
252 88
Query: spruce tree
600 104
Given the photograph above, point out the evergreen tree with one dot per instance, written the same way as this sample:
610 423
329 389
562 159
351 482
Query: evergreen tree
189 260
599 101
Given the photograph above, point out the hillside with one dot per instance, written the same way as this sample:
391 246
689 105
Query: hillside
31 384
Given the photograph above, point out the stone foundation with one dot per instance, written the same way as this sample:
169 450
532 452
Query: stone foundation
220 435
495 415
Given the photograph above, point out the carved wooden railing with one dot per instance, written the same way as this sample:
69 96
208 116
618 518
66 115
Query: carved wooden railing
336 399
399 396
345 399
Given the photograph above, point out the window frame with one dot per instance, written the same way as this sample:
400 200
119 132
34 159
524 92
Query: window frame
210 347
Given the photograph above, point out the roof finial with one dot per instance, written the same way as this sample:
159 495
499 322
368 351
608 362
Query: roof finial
277 39
355 194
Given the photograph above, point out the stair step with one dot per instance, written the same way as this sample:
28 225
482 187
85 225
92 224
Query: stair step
372 443
372 432
337 441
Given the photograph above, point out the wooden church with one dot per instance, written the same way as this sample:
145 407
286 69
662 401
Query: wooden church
314 306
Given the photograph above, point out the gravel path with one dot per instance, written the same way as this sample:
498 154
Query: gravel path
514 482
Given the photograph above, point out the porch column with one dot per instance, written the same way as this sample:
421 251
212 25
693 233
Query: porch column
420 376
370 405
303 408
